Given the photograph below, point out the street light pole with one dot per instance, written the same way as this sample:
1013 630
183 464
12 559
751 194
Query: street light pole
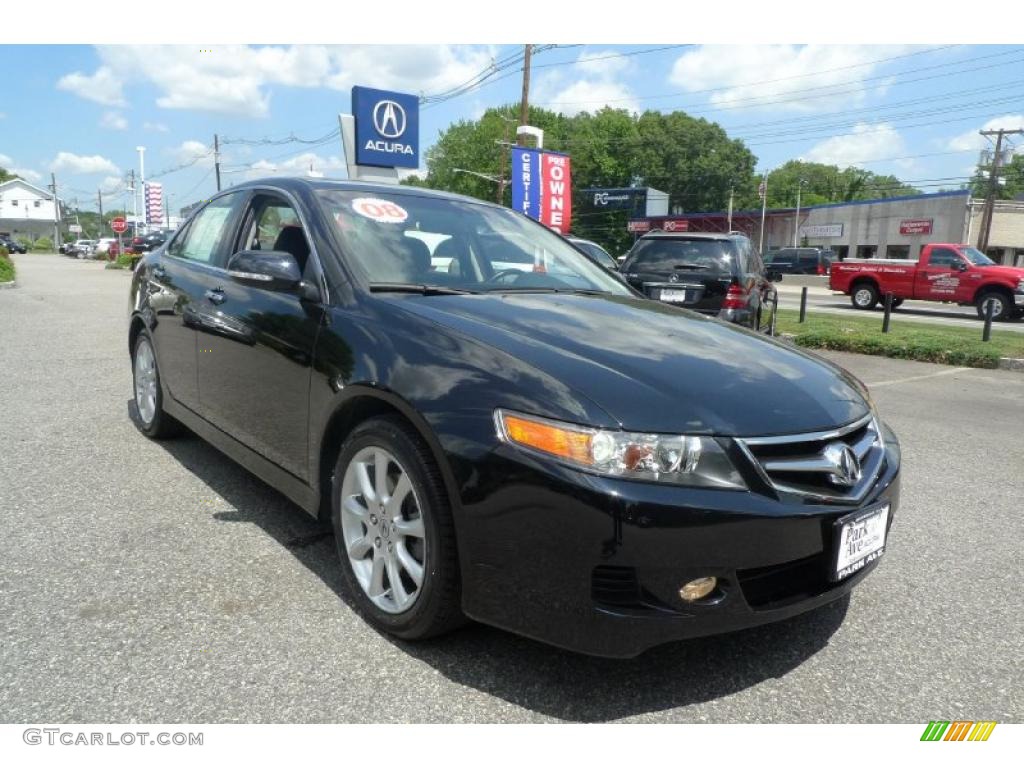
796 221
764 210
142 181
500 181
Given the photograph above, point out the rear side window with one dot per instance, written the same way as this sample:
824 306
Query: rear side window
670 255
205 233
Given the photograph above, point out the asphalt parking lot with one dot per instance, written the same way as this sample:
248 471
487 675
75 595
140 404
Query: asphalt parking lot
149 582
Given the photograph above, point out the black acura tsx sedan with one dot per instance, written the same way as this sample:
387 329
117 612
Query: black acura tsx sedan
530 444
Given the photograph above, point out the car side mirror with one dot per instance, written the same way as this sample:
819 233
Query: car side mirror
774 276
273 270
959 266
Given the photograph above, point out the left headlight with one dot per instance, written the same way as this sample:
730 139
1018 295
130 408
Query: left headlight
693 460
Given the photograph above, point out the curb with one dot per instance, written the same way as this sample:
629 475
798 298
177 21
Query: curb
9 284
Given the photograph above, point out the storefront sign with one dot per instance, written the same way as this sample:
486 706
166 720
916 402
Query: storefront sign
638 225
916 226
821 230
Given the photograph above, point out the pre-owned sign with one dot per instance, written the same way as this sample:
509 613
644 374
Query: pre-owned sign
916 227
542 186
387 128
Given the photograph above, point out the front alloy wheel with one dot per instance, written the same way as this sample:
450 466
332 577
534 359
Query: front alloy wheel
394 531
382 527
149 414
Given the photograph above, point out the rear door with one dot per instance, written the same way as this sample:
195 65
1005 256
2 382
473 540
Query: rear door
939 279
177 284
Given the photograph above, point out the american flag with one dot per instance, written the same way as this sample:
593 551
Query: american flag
154 203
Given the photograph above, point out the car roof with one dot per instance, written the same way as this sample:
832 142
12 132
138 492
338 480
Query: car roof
302 184
662 235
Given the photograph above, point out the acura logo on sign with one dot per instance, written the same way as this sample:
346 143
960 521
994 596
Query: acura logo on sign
846 465
389 119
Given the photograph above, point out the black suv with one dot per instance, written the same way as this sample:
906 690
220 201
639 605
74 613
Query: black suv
151 240
800 261
12 245
716 274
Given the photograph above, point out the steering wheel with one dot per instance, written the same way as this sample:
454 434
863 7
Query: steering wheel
498 276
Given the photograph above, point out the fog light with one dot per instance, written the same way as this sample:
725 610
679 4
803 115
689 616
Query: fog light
698 588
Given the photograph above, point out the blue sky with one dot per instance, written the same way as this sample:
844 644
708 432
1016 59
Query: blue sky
80 111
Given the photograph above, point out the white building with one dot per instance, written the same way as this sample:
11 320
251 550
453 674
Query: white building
26 211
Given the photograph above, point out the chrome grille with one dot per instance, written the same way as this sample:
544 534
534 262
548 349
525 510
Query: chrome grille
820 465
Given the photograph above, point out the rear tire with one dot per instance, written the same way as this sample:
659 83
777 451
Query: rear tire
864 296
416 535
1002 309
150 418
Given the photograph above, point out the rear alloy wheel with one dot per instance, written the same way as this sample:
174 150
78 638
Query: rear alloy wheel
864 296
394 531
149 413
1001 307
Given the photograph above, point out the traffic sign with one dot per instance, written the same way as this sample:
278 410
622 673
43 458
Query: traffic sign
118 224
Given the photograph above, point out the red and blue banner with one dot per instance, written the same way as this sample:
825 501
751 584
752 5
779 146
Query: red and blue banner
542 187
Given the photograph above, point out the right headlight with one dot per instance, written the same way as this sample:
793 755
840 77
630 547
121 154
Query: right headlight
692 460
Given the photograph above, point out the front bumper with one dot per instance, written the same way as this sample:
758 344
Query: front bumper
1018 299
594 564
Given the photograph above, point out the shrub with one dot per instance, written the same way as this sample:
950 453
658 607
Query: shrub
43 244
124 261
6 267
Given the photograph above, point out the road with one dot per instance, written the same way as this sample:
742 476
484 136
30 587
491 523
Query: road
160 582
823 300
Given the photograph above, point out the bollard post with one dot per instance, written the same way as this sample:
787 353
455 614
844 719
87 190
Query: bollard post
803 303
989 308
888 311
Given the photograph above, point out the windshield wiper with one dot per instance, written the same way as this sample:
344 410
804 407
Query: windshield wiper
549 289
422 289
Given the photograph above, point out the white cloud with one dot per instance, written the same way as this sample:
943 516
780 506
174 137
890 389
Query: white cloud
750 75
973 140
28 174
5 160
155 127
237 79
83 164
112 185
300 165
598 84
193 152
103 86
115 121
867 143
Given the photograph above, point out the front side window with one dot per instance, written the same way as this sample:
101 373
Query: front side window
408 239
275 226
203 237
944 257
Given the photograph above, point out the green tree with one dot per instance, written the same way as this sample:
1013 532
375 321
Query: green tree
828 184
6 175
1012 173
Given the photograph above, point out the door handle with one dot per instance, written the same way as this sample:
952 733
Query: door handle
216 295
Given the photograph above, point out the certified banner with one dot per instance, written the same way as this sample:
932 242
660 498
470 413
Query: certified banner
542 186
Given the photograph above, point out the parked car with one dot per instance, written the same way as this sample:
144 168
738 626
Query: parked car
947 272
12 245
534 447
715 274
595 252
800 261
102 249
80 249
150 240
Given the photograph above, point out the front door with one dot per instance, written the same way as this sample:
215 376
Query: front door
255 362
942 278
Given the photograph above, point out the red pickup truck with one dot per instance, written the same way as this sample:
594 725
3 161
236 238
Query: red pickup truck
945 272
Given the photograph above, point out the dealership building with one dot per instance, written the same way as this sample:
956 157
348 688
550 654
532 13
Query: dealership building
893 228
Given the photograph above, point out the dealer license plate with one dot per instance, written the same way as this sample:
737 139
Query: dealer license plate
860 540
677 296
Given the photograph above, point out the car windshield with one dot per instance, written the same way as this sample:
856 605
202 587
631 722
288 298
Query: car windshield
976 257
669 255
399 240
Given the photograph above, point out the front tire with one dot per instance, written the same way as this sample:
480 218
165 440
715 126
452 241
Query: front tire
864 296
1002 308
394 531
149 400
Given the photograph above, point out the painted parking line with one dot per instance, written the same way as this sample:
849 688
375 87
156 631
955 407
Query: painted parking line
907 379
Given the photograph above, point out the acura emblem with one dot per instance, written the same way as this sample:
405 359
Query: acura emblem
389 119
846 469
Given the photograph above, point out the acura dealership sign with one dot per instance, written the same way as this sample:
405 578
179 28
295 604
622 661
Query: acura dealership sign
387 128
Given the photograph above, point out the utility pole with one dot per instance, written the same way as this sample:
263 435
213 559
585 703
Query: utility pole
731 191
216 158
524 104
764 209
99 200
993 185
56 212
796 221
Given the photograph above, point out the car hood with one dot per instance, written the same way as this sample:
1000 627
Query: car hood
653 367
997 270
